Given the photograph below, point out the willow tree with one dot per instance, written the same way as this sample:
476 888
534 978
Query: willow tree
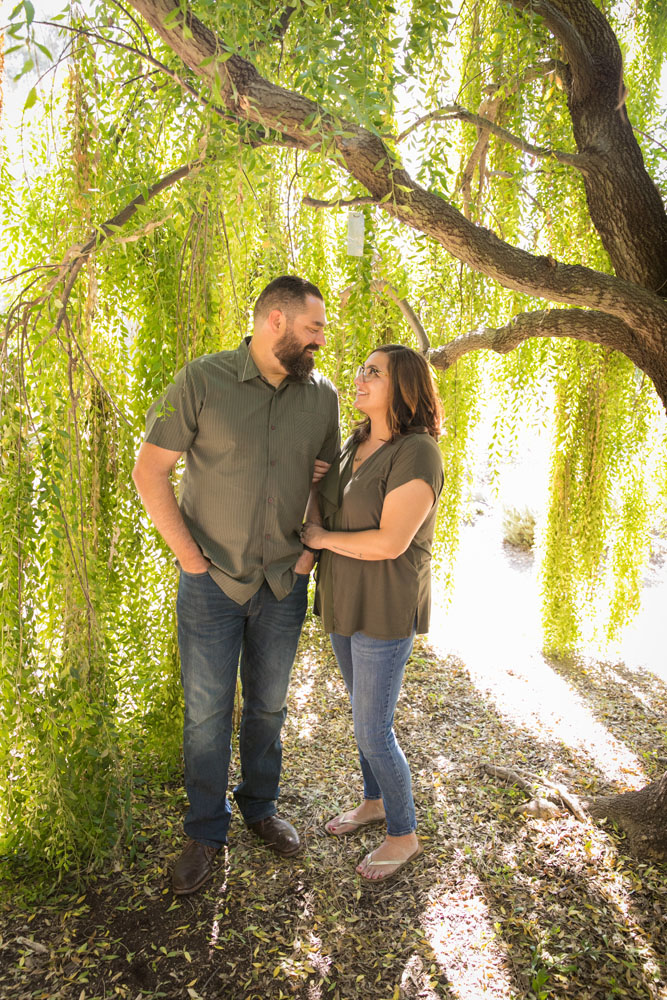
529 221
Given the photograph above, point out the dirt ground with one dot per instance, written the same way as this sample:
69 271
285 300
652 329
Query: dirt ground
501 906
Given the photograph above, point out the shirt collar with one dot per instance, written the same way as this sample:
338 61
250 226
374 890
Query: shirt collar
245 366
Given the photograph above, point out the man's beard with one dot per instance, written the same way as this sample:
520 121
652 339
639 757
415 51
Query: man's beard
292 355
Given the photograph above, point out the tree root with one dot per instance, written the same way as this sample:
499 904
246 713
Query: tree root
639 815
535 785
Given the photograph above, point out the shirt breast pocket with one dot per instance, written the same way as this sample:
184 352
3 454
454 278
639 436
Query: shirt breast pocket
309 431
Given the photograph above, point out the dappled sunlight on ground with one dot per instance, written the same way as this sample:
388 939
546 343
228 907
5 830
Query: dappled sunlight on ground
221 893
493 626
461 932
300 693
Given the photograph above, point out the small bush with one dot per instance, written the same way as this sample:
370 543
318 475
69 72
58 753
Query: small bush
519 527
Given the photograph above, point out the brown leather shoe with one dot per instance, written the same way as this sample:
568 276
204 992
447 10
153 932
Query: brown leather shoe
277 834
193 867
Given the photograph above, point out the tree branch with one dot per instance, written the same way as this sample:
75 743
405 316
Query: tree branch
489 109
274 138
309 202
556 792
454 111
76 256
148 56
381 287
589 325
574 43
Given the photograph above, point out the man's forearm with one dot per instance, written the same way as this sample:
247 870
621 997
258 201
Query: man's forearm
157 496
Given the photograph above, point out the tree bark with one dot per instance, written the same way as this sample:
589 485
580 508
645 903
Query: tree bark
619 191
641 815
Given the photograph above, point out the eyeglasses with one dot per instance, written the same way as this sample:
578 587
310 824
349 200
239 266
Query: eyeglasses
367 372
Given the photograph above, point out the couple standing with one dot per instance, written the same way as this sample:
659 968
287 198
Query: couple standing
259 430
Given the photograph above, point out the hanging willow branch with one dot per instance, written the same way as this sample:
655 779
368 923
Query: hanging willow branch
381 287
76 256
455 111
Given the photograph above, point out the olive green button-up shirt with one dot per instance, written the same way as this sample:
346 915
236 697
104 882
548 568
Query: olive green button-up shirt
250 450
383 598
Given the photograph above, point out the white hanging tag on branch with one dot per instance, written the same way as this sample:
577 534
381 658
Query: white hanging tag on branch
355 234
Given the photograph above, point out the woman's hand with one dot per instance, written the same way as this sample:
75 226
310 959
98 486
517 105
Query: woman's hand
313 535
320 470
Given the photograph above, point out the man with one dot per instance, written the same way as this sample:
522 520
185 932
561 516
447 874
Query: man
256 425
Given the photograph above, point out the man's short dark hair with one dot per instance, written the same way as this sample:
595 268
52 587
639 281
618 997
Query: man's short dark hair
287 293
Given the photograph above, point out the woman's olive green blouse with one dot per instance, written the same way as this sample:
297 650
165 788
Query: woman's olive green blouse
382 598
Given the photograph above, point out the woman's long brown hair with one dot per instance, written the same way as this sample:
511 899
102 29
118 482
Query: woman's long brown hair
414 403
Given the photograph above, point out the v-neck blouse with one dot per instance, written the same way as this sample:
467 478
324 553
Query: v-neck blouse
382 598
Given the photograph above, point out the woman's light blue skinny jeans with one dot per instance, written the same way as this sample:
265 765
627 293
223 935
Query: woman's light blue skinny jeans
373 673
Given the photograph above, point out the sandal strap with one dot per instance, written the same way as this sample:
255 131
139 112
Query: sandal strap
344 821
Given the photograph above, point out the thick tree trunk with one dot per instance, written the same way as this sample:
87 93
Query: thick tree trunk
642 816
624 204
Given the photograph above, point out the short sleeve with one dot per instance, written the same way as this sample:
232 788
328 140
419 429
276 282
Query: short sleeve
417 458
172 420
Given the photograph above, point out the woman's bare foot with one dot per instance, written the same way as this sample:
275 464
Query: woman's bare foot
395 851
370 811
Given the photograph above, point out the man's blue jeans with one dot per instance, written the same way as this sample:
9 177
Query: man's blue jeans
373 673
213 632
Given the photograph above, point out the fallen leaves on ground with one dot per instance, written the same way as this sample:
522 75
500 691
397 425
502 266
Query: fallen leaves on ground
500 906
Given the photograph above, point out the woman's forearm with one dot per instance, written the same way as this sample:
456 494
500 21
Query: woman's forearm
372 545
403 511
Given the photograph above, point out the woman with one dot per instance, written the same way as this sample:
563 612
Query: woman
373 594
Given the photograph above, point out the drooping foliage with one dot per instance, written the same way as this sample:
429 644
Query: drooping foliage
89 681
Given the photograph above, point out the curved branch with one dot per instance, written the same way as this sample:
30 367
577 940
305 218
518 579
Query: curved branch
565 29
578 324
380 286
276 138
67 270
148 56
454 111
309 202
